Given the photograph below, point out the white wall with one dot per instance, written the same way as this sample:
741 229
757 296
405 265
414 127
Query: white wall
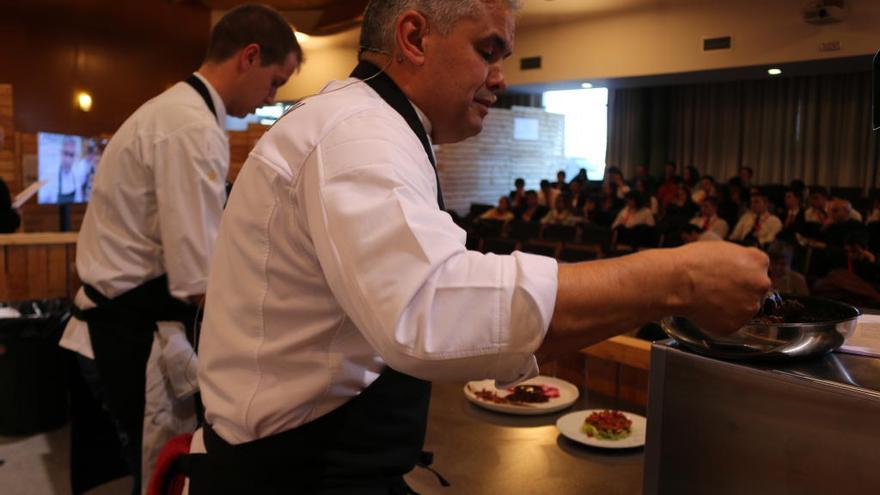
665 37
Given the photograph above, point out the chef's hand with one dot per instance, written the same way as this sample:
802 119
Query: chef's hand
727 284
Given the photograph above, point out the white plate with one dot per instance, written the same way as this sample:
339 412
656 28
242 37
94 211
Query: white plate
570 426
568 394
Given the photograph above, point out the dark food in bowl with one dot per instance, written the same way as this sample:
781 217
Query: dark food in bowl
789 311
520 394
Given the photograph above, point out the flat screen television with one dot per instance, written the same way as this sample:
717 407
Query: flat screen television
66 166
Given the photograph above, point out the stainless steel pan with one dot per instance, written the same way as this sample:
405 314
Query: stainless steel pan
825 326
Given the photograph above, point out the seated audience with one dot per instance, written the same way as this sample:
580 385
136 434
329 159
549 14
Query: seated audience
532 211
784 279
615 175
501 212
853 274
792 216
731 205
644 188
838 224
547 194
817 211
634 213
518 195
643 175
874 214
690 177
581 176
576 195
667 190
757 226
693 233
681 204
708 220
706 189
560 214
744 177
609 205
860 260
560 184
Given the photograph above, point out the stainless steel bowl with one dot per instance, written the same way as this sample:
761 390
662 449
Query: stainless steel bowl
831 322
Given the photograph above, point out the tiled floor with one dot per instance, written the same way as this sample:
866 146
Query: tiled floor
38 465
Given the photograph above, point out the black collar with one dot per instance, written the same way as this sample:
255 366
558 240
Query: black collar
202 90
393 96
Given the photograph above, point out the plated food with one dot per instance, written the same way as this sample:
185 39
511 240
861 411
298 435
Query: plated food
607 425
539 395
613 429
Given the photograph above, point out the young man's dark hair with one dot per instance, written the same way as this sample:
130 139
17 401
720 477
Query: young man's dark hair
519 182
253 23
820 190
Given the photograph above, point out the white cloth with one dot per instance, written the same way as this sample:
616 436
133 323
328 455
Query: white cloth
630 219
717 225
333 259
157 197
770 226
171 382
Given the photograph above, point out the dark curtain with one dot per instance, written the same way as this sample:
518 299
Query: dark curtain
815 128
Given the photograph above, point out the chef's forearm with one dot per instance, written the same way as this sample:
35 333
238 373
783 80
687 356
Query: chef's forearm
600 299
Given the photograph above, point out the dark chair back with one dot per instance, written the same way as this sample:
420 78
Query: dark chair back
524 231
497 245
539 247
564 233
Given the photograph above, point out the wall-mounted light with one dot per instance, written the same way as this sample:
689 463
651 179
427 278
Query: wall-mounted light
302 37
586 85
84 101
774 71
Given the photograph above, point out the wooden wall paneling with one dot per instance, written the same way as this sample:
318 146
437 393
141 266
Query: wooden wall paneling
6 118
4 276
37 272
57 271
17 272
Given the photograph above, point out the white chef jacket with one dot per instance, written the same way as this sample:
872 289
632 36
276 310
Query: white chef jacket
771 225
157 197
717 224
333 260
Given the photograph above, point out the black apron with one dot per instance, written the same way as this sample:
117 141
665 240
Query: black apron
121 331
363 447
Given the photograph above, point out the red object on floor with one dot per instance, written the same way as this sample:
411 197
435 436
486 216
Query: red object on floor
167 479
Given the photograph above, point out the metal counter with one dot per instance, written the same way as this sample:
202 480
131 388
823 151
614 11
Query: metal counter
482 452
801 428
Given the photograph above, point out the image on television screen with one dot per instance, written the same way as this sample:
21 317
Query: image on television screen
67 165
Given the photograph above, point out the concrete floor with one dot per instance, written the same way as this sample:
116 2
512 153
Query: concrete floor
39 465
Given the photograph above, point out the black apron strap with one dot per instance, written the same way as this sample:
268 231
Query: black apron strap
393 96
202 90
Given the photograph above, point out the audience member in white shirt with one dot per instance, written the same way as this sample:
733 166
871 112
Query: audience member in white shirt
708 220
706 190
692 233
634 213
757 225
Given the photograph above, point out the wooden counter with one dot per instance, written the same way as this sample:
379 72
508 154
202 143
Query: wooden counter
38 266
619 367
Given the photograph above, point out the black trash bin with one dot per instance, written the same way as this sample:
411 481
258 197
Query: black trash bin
33 369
